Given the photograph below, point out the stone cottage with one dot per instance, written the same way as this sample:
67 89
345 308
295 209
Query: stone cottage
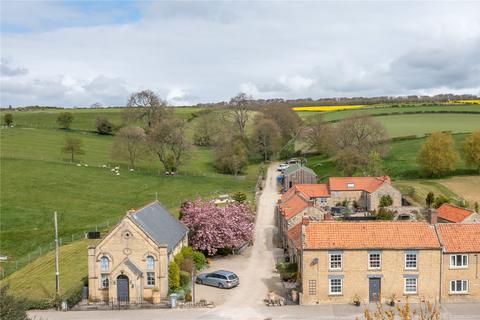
130 265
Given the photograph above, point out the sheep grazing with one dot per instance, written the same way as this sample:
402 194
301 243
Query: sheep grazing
118 173
117 168
104 165
131 170
86 165
112 170
79 165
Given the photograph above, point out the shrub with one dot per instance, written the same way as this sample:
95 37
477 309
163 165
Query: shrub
199 260
386 201
64 120
173 276
440 200
184 279
8 119
103 125
188 297
288 271
384 214
239 197
196 257
11 308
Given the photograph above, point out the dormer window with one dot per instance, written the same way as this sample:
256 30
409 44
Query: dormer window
104 263
350 185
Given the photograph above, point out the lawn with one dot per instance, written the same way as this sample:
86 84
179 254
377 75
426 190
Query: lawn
467 186
416 191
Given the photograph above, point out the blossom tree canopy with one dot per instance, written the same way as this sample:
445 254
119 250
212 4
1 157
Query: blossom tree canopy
215 227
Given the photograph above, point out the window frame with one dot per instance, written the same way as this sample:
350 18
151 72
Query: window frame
406 285
453 257
102 264
330 254
463 283
407 260
331 286
312 287
379 261
150 263
104 278
150 279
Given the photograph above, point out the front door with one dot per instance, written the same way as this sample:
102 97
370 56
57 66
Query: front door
374 286
122 288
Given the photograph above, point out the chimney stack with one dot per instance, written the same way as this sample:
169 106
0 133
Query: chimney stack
305 220
327 217
432 216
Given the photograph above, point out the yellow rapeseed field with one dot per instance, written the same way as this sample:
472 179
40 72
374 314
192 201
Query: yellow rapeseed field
326 108
465 101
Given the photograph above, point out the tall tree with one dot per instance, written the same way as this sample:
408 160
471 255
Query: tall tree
471 150
8 119
129 144
230 153
146 106
430 199
206 130
103 125
64 120
239 108
73 146
266 137
167 140
317 135
437 155
287 120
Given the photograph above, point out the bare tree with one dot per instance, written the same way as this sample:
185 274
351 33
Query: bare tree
317 135
238 107
145 106
73 146
129 144
266 137
167 140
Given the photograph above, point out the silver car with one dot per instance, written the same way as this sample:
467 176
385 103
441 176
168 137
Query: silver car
221 278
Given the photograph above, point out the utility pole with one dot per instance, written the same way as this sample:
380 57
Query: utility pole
57 271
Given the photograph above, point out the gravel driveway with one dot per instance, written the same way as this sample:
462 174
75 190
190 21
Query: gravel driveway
256 265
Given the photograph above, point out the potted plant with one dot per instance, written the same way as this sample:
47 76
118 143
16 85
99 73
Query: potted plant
392 300
356 300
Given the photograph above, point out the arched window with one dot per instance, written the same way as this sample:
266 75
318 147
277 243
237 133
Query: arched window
150 263
104 263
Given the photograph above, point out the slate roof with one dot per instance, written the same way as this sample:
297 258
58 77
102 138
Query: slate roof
369 184
132 266
159 224
294 167
370 235
460 238
452 213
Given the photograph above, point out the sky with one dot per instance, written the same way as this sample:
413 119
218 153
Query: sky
76 53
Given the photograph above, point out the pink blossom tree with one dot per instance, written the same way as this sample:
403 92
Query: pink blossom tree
215 227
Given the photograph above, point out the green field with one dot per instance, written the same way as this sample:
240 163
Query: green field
387 109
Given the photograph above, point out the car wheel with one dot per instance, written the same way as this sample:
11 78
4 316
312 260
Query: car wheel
220 285
199 281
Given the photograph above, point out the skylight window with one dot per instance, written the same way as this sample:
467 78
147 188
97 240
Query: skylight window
351 185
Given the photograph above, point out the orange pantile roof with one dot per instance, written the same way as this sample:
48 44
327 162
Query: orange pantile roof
287 195
313 190
460 238
452 213
295 234
369 184
293 206
370 235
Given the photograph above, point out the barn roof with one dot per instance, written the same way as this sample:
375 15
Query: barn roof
159 224
294 167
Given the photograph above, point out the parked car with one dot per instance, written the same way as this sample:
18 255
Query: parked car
223 199
282 167
221 278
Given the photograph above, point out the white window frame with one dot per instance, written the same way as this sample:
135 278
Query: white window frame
104 280
331 285
330 260
464 261
150 263
370 261
407 285
407 254
463 284
104 266
150 276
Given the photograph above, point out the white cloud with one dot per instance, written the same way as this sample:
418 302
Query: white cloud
210 51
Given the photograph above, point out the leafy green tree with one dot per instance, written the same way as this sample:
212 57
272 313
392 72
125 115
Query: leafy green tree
11 308
73 146
173 276
266 137
386 201
440 200
64 120
475 206
374 164
230 155
437 155
384 214
430 199
471 150
103 125
8 119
